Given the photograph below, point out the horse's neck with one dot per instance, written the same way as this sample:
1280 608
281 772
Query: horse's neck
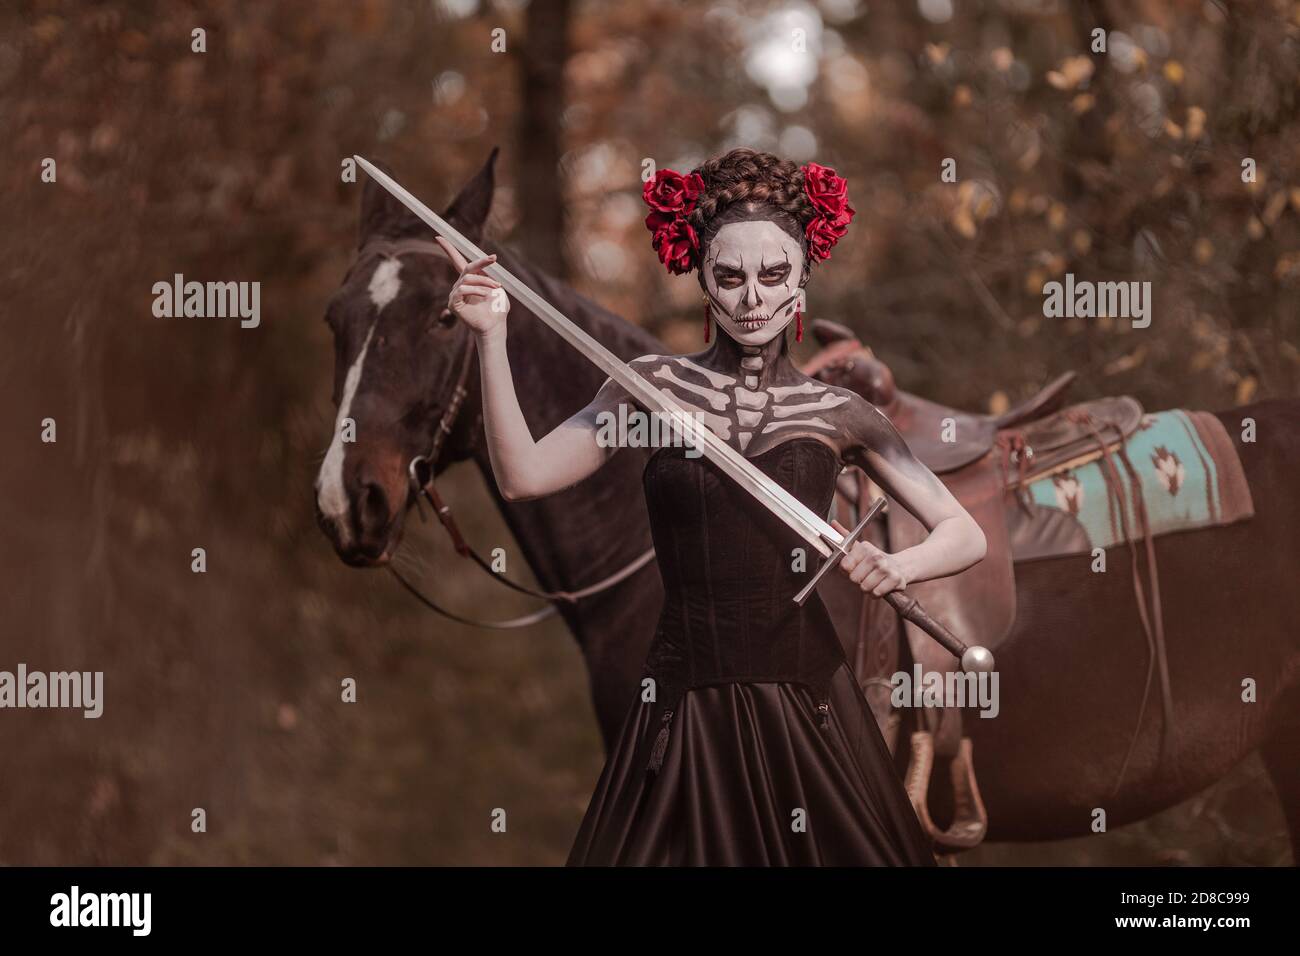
576 537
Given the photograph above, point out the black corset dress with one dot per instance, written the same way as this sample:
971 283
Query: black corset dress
759 748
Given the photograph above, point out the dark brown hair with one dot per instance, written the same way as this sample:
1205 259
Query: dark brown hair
745 184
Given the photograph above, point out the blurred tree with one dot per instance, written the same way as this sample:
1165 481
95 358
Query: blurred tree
542 56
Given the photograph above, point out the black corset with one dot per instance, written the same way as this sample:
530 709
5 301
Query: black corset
727 567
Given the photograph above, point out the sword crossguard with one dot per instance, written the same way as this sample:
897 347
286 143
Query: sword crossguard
840 552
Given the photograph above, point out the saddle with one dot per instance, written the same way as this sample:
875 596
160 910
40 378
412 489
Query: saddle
985 461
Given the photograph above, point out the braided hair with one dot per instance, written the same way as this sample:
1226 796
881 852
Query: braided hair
745 184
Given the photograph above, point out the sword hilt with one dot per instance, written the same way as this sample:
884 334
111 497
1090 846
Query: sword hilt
838 554
973 657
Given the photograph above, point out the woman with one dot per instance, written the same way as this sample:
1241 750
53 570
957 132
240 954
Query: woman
750 742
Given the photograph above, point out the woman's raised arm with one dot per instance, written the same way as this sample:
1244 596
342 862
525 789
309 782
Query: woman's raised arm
524 467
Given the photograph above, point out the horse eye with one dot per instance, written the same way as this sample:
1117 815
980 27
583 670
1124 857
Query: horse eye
446 318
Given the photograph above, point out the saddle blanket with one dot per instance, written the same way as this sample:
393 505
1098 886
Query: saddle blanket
1188 473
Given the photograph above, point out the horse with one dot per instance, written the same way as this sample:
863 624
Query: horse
398 357
1075 656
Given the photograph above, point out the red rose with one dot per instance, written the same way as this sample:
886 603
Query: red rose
828 193
824 231
670 191
674 240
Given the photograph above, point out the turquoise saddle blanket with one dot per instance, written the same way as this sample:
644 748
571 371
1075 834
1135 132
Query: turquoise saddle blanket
1184 466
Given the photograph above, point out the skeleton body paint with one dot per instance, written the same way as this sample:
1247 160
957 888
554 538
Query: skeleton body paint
752 396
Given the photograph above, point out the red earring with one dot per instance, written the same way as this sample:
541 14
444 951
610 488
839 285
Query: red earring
798 324
706 322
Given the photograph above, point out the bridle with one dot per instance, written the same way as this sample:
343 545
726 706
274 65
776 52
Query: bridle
422 468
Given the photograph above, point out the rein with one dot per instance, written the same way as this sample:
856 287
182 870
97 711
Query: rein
420 472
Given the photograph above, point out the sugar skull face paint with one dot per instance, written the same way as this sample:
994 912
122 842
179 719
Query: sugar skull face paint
751 272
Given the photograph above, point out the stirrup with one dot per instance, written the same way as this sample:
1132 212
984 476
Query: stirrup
970 820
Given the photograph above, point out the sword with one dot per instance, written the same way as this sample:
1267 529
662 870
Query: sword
813 529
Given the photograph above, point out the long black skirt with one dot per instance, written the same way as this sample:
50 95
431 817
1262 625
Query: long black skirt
751 778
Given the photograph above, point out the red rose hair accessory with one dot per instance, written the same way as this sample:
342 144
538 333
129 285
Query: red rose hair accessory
829 195
671 198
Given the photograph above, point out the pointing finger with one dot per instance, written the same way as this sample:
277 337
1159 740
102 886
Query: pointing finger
453 254
478 265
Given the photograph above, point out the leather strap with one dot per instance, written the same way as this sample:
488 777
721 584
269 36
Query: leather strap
1152 619
400 247
466 550
514 622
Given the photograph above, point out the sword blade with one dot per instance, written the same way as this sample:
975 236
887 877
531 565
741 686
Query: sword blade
793 512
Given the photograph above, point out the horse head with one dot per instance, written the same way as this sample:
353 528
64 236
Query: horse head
398 358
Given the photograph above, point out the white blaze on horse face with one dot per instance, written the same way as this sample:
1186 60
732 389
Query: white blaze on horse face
331 494
752 272
384 283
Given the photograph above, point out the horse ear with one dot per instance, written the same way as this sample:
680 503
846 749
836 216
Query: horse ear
469 210
382 214
826 332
